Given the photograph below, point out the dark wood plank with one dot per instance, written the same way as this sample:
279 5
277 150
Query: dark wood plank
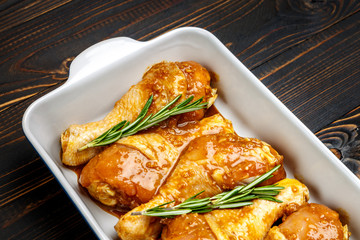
304 51
32 204
49 215
318 79
14 13
255 31
342 137
45 62
37 52
294 22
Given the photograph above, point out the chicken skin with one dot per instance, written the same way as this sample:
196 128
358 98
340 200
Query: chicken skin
130 171
213 163
246 223
164 81
311 222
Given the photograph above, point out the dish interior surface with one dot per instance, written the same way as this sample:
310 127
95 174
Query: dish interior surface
243 99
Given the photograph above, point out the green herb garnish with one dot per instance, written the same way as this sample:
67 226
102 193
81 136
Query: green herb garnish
125 128
238 197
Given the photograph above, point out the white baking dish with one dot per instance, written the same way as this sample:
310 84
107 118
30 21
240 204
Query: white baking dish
103 73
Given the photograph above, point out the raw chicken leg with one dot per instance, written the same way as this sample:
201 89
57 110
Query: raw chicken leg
165 81
213 163
246 223
311 222
129 172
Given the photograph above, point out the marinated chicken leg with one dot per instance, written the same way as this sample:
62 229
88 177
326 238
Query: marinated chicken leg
213 163
311 222
165 81
129 172
246 223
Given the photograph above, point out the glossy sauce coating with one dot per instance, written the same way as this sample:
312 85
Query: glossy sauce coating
224 161
165 81
246 223
233 160
213 163
313 222
129 172
187 227
198 87
125 168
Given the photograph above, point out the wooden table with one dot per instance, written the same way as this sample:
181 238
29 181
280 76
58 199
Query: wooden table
307 52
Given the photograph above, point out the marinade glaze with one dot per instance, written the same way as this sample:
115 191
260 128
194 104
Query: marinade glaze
129 172
210 163
312 222
165 81
143 176
142 170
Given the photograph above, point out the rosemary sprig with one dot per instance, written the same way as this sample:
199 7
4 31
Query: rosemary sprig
238 197
125 128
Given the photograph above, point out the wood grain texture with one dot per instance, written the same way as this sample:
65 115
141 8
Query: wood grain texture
326 84
342 137
306 52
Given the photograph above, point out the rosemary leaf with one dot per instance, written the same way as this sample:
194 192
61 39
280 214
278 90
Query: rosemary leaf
238 197
235 205
125 128
166 213
203 210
